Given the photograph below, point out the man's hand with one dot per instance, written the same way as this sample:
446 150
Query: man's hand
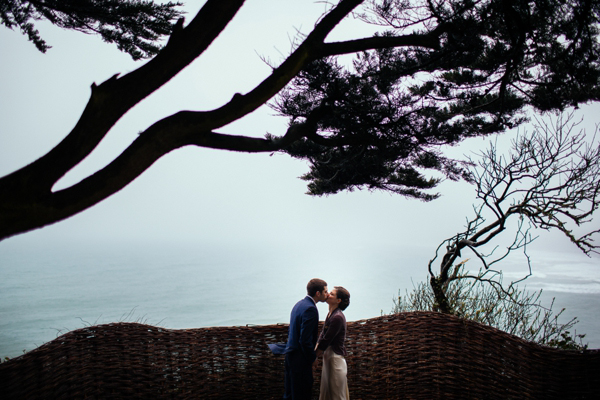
319 353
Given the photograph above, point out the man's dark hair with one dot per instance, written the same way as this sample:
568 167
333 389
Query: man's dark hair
315 285
343 295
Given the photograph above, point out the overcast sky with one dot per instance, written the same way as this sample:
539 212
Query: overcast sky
196 195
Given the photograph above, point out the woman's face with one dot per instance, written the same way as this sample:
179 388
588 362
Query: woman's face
333 299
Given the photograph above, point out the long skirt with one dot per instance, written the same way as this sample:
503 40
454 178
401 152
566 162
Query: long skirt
334 384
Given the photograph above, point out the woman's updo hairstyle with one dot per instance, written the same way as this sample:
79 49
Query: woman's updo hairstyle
343 295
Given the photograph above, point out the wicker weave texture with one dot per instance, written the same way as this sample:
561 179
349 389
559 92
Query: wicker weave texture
411 355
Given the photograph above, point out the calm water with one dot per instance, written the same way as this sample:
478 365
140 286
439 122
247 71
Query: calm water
48 291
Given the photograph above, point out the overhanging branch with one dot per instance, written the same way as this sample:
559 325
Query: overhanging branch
430 40
113 98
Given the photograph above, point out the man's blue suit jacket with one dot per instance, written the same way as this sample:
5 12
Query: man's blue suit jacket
304 329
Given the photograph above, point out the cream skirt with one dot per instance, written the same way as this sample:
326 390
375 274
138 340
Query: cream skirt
334 385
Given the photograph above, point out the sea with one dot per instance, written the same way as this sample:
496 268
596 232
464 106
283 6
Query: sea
46 291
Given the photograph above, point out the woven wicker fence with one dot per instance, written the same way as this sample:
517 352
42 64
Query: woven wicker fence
412 355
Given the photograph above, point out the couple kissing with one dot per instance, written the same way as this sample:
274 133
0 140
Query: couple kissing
305 345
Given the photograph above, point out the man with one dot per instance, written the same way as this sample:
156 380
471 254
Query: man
300 352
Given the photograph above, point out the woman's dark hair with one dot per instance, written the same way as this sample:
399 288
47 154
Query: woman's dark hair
315 285
343 295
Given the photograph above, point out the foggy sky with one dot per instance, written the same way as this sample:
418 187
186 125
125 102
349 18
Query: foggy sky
196 195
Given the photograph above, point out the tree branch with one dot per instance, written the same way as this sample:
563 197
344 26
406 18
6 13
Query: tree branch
548 179
113 98
429 40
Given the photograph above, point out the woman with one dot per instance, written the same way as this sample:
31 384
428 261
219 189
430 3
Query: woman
334 385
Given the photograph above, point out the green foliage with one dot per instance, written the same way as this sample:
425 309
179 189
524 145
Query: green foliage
133 25
6 358
566 341
516 311
379 122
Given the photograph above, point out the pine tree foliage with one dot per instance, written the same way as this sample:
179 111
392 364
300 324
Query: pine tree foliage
434 73
134 26
379 122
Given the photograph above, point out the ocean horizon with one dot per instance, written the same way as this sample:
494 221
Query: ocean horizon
46 291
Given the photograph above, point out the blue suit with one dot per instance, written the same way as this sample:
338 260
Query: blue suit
300 350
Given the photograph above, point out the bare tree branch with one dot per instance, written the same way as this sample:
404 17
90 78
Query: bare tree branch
550 179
